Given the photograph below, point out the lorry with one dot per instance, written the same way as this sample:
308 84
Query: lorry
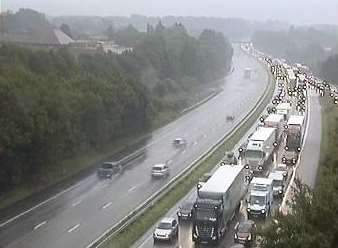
294 139
259 149
276 121
284 109
260 197
217 202
247 73
277 183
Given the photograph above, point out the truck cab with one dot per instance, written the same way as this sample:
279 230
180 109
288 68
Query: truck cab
260 197
278 183
258 204
259 149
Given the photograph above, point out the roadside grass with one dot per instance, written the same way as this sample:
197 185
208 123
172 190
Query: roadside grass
329 115
128 236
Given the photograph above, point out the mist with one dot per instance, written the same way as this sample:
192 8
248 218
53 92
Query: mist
291 11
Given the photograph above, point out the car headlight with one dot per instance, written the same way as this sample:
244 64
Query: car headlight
260 167
248 209
179 214
280 191
263 211
214 238
249 237
235 236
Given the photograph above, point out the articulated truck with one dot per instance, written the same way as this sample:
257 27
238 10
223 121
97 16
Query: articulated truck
294 139
260 148
217 202
276 121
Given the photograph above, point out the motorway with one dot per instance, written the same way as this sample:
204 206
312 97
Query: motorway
307 170
78 215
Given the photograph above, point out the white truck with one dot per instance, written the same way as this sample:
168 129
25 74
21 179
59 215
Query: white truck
294 139
217 201
260 148
260 197
278 183
275 121
247 73
284 109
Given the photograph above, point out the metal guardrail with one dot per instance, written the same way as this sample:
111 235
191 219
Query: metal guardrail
132 216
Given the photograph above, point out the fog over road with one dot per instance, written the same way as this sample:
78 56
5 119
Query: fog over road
79 215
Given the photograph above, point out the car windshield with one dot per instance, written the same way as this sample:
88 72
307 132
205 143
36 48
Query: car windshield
186 206
107 166
277 183
205 214
244 227
164 225
257 199
157 168
253 154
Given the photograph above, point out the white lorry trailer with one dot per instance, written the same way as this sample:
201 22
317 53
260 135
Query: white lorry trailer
284 109
260 148
294 139
217 201
247 73
275 121
260 197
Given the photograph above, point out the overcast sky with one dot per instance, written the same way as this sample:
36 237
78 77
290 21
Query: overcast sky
292 11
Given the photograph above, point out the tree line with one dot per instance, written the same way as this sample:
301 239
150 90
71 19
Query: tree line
55 105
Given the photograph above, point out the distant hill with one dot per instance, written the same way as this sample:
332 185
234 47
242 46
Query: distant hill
30 27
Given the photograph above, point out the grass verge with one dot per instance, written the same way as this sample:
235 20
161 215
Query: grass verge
128 236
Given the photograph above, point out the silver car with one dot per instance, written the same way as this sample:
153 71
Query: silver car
166 230
160 170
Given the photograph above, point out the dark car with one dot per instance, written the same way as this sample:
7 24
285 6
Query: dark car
230 158
244 232
108 169
184 211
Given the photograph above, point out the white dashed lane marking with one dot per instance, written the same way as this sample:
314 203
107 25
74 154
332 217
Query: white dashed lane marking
73 228
40 225
106 205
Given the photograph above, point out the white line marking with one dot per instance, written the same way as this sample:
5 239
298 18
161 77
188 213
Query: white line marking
145 241
132 189
76 203
73 228
38 205
106 205
40 225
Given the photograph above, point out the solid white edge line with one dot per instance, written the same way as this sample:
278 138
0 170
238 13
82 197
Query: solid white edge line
38 205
